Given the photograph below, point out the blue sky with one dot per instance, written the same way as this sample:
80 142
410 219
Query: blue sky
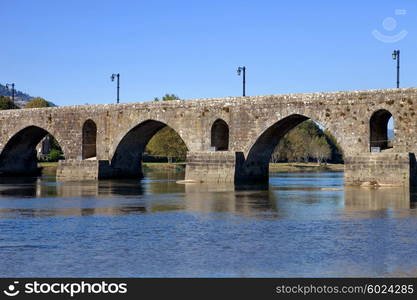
65 51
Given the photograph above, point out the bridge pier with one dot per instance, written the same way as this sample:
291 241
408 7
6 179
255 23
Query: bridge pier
75 169
381 169
224 167
213 166
368 169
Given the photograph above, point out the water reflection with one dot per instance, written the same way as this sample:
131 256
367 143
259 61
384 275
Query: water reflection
228 198
286 196
297 225
357 198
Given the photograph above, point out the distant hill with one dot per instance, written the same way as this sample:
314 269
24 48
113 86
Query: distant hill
20 98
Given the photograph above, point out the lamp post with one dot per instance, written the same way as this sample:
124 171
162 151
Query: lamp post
13 90
240 70
113 76
396 56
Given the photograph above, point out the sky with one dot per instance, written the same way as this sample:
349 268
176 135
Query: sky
66 51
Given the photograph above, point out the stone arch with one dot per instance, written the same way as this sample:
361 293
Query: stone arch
89 139
220 135
378 129
127 157
18 156
256 162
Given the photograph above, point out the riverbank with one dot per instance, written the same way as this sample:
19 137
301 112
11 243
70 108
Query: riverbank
152 165
164 166
277 168
304 167
47 164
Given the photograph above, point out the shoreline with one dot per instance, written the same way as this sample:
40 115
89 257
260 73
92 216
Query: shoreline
273 167
304 167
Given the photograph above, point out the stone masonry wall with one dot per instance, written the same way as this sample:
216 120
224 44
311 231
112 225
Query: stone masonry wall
211 166
380 169
72 169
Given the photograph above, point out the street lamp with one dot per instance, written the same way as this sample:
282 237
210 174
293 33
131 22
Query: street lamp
396 56
112 77
240 70
13 90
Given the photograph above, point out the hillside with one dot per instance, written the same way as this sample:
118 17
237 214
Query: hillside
20 98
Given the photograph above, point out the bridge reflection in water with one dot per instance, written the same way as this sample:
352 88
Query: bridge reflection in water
357 198
286 196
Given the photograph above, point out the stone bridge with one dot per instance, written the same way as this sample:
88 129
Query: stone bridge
228 139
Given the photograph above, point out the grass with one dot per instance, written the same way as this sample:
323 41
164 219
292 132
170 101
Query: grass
47 164
158 165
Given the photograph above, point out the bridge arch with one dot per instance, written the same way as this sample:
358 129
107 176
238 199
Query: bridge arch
378 129
258 155
220 135
89 139
127 157
19 157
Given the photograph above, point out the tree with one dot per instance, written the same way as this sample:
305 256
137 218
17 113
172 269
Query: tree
307 142
295 145
166 142
167 97
6 103
37 103
54 155
298 147
320 149
337 152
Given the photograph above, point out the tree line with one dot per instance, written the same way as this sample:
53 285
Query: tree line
307 142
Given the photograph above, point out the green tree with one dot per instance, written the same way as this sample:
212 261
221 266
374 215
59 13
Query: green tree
337 152
166 142
54 155
6 103
307 142
167 97
320 149
37 103
298 150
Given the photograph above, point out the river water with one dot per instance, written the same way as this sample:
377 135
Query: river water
300 225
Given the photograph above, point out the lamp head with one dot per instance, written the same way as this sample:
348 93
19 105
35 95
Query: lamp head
395 54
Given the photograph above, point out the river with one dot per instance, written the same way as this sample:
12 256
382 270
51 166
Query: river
299 225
